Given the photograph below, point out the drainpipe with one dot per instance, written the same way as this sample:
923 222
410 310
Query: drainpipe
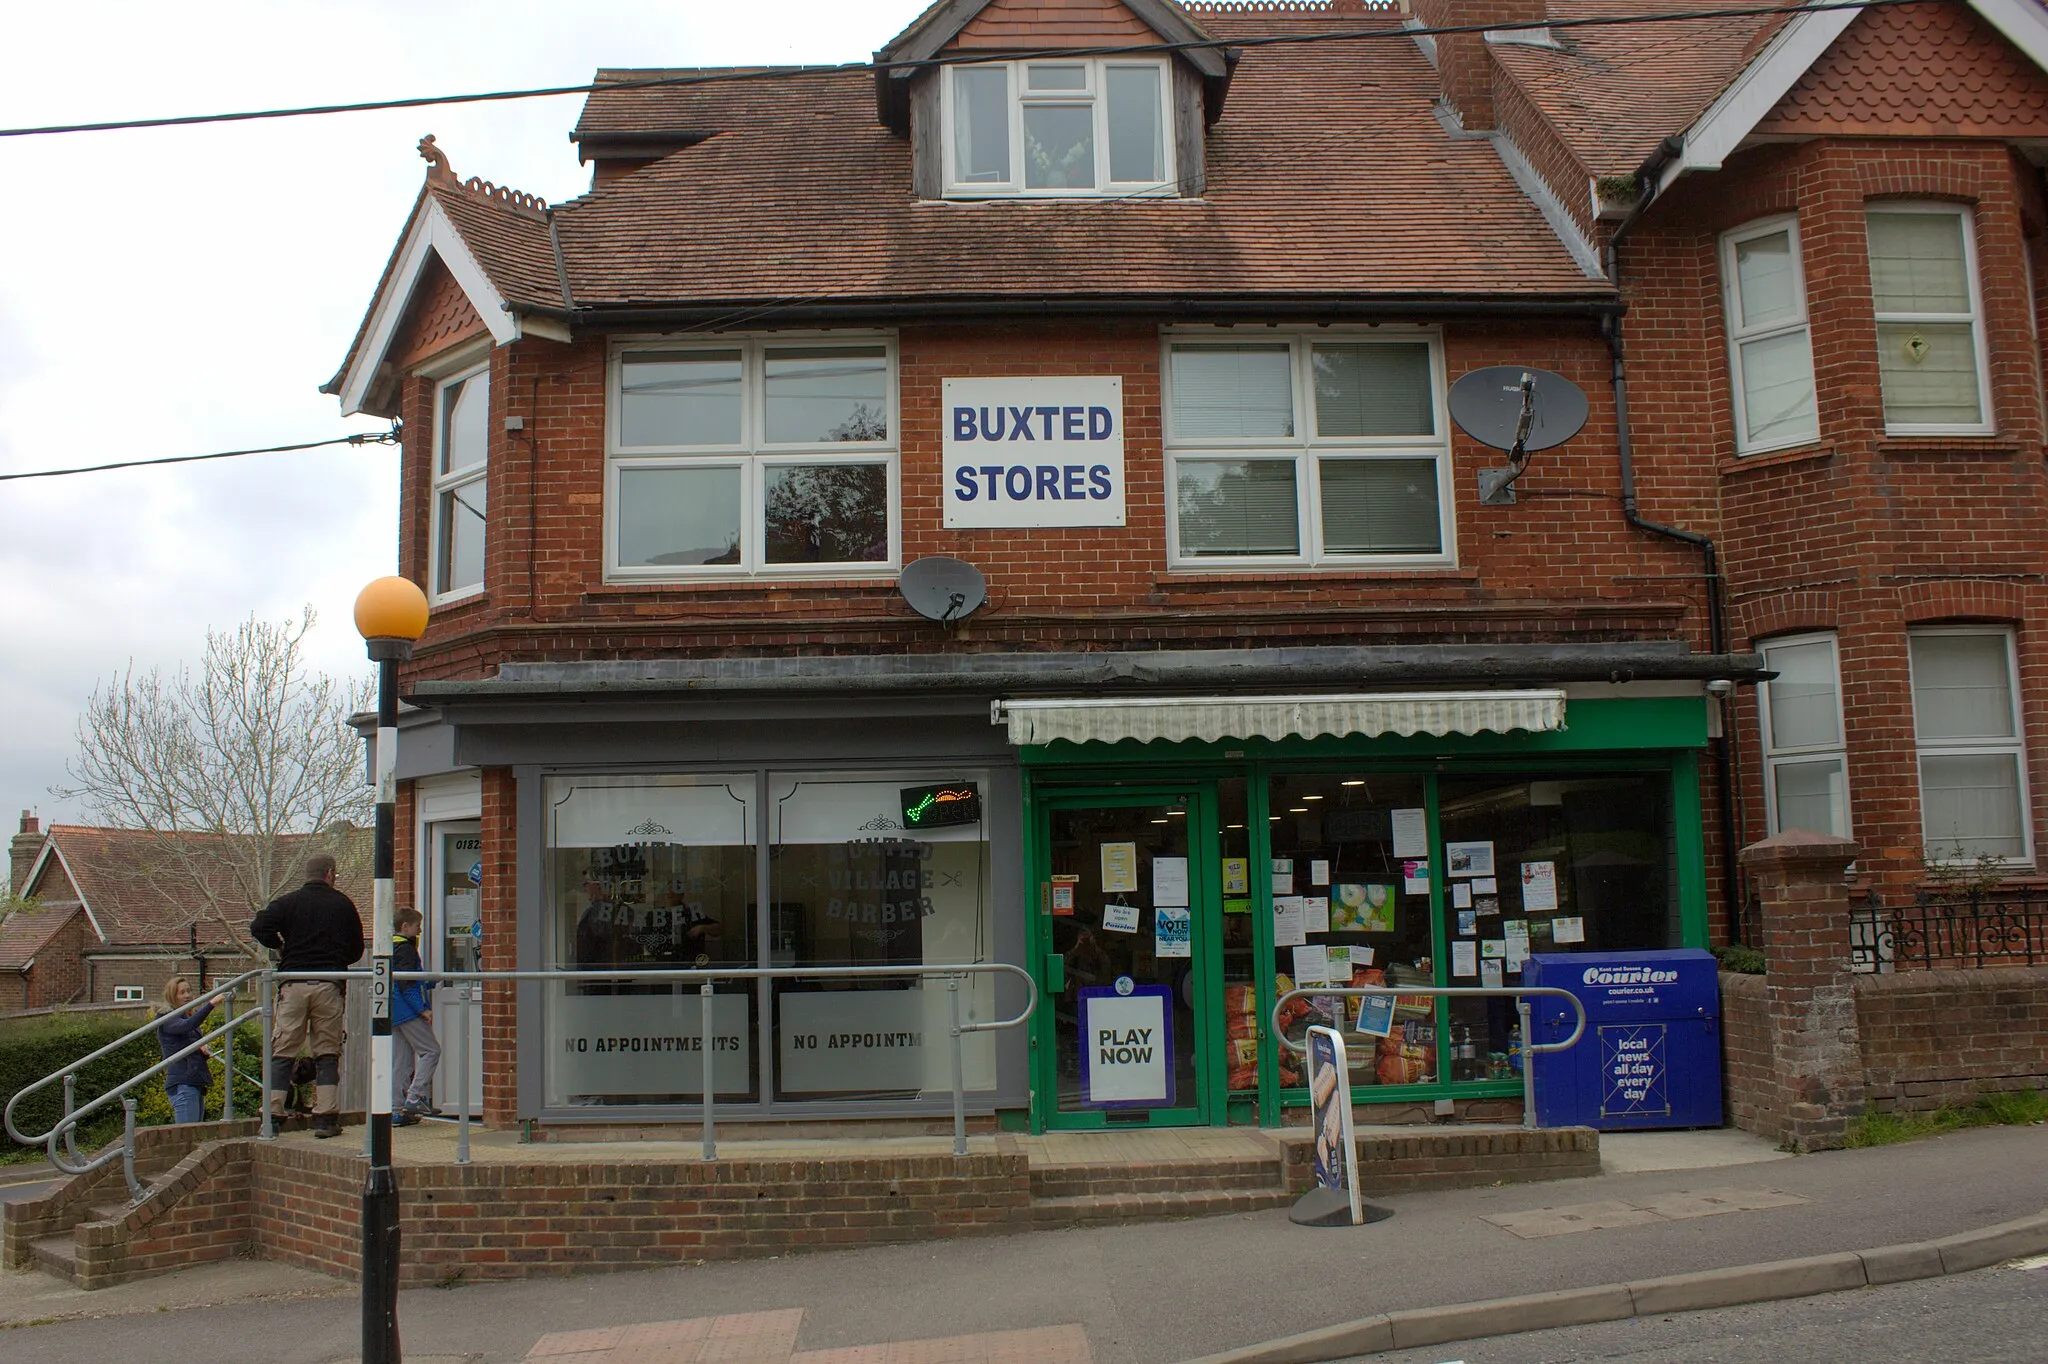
1710 570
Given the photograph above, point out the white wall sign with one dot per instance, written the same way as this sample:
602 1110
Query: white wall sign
647 1044
1034 452
845 1041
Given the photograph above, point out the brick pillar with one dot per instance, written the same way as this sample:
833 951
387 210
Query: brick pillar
1464 66
1810 1000
498 912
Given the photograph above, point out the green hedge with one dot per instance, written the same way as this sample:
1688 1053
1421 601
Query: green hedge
31 1048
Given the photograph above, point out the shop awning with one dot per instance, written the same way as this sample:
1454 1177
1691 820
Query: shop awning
1280 717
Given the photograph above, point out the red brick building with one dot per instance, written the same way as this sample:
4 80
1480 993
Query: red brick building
1262 691
113 914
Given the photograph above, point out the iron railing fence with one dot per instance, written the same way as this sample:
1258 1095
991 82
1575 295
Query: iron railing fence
1951 930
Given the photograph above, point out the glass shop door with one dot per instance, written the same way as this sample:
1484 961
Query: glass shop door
1128 955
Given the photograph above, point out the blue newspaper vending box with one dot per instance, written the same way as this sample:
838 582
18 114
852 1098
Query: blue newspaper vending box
1651 1054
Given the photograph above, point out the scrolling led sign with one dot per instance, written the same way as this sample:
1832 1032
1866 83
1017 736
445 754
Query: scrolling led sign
934 807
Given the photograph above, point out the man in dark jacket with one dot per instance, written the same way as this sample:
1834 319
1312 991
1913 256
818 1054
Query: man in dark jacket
314 928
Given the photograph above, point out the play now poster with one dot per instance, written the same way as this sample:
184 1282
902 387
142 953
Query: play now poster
1127 1046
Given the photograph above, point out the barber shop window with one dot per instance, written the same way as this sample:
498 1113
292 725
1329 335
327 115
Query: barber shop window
1325 449
1070 127
769 457
649 874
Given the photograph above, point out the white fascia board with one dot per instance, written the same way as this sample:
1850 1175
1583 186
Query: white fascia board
431 235
1755 92
50 849
2023 22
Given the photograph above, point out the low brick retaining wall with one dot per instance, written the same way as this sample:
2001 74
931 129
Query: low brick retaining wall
1924 1039
1390 1163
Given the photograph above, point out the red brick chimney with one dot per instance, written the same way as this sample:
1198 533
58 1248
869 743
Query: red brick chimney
1464 67
23 850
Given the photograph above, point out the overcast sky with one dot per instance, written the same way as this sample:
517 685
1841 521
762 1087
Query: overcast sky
179 291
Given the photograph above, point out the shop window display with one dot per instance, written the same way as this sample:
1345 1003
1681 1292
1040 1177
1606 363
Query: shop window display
1545 864
1349 881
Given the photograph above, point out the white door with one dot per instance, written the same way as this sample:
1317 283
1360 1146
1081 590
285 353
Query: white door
453 943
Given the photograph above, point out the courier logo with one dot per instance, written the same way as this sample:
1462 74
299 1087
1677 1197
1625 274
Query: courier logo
1626 975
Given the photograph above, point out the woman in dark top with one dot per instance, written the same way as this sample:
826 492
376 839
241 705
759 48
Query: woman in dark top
188 1077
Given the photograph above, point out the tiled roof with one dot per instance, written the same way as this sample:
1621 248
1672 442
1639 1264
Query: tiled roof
1614 93
1917 71
142 893
26 932
1327 173
508 231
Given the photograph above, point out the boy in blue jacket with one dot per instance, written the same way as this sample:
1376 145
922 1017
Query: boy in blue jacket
415 1049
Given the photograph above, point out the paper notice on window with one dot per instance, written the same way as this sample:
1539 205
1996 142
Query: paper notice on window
1415 876
1287 925
1539 887
1173 931
1120 918
1311 965
1411 833
1461 895
1464 959
1340 965
1469 859
1568 930
1237 876
1319 873
1360 956
1119 868
1315 913
1516 936
1485 885
1169 881
1283 876
1492 947
1490 975
1468 923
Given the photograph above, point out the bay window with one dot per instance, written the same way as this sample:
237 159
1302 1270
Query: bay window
1307 449
1074 126
1770 345
1930 337
1972 753
1806 764
462 411
734 457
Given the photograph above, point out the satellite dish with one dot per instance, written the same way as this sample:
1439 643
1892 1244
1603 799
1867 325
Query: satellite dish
1488 404
943 589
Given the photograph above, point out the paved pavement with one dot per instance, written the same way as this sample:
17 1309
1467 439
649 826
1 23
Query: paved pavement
1159 1293
1995 1316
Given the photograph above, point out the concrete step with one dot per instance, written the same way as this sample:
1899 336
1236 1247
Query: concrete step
1109 1209
55 1255
1080 1181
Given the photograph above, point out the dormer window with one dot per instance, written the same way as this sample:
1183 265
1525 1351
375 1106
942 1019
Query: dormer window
1083 126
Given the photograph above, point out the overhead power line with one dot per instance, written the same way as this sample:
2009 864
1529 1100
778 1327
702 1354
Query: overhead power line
359 438
848 68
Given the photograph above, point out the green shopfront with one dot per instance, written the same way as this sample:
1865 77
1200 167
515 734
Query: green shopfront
1183 878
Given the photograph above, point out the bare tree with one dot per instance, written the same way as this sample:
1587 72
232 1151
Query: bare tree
238 770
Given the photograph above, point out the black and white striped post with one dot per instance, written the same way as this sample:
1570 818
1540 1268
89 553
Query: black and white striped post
391 613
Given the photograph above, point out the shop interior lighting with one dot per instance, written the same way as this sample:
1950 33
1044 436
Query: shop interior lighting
1311 797
1297 809
1359 782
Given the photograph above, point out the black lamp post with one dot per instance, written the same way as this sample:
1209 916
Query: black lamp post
391 613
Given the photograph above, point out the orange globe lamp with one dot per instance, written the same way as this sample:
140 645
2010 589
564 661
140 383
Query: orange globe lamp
391 608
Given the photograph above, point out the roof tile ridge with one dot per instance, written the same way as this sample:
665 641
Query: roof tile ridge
442 179
1318 7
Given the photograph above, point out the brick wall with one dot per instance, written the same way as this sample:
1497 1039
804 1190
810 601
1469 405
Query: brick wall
498 914
60 974
1941 1037
1750 1084
199 1212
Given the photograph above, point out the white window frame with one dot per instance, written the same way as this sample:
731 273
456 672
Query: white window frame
1794 755
1096 94
2016 745
441 484
1741 334
753 456
128 994
1975 319
1306 447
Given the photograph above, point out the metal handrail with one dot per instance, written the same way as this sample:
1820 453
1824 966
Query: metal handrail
1521 994
66 1128
705 978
